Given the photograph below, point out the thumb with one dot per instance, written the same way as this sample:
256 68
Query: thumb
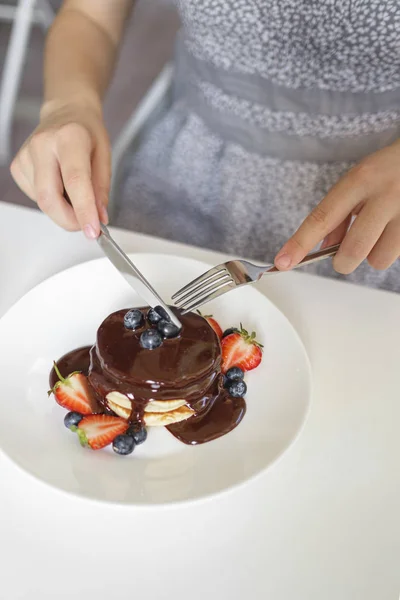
284 261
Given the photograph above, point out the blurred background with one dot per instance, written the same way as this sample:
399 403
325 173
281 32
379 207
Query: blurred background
148 45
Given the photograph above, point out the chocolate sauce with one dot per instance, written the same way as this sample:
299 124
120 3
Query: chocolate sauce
178 364
77 360
223 416
187 367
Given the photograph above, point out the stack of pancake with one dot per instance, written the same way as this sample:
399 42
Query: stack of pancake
158 387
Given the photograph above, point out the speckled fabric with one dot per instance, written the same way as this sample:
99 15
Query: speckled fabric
331 44
274 101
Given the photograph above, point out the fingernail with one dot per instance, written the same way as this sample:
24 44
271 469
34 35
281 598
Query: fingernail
89 232
283 261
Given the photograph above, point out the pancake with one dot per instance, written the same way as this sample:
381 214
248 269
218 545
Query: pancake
156 413
156 387
156 419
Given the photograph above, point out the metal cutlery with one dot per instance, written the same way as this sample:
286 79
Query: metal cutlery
227 276
128 270
132 275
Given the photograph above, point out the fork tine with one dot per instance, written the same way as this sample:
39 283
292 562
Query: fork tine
205 293
199 279
206 285
219 292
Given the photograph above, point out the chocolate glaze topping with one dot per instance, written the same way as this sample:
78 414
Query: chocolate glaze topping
76 360
187 367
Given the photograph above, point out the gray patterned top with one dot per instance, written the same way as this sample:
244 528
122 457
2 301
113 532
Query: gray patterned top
274 101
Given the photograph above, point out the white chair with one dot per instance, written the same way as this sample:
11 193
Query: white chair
148 110
23 15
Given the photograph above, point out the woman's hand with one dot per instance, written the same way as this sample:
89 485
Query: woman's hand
371 192
69 149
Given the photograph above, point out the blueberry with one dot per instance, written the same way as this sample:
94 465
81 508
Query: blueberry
138 433
235 373
167 329
153 316
237 388
229 331
133 319
162 312
151 339
72 419
124 444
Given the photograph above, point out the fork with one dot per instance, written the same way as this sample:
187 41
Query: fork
227 276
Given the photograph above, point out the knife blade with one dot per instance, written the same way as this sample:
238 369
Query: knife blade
131 274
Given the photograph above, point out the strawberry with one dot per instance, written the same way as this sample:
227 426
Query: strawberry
214 324
241 350
98 431
73 392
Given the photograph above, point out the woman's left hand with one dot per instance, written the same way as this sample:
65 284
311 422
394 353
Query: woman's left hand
371 192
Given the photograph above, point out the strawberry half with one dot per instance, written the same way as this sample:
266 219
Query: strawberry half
73 392
241 350
214 324
98 431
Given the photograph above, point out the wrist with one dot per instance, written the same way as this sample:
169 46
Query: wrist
74 102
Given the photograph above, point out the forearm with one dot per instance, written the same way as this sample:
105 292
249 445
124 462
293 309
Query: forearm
80 53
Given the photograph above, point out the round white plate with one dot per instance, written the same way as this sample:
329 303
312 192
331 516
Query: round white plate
64 312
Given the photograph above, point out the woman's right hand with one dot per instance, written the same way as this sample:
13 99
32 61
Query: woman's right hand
69 151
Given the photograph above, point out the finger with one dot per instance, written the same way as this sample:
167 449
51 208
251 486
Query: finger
337 235
22 181
329 214
22 171
74 157
48 188
101 176
362 236
387 249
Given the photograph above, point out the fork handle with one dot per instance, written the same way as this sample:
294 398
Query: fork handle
312 257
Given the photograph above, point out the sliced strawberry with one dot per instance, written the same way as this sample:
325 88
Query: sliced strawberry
98 431
214 324
241 350
73 392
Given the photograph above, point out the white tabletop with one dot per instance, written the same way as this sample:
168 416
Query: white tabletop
321 524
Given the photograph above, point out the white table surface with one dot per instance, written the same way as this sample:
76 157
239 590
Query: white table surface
321 524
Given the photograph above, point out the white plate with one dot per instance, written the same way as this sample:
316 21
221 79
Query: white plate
64 312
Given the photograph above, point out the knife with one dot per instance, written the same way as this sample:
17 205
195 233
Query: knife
132 275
